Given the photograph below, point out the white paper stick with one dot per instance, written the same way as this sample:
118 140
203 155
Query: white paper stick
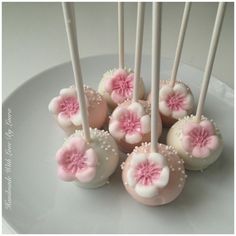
69 17
180 43
156 54
210 58
121 33
138 49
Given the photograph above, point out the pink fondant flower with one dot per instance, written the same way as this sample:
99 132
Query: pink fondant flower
175 101
120 85
148 172
199 139
66 107
130 123
76 161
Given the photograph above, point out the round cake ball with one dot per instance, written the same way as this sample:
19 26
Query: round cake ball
174 102
153 178
66 109
116 86
88 164
130 124
199 144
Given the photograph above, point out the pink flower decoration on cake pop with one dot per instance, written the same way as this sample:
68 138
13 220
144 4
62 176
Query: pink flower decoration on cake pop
175 101
130 123
66 107
148 172
199 139
120 86
76 161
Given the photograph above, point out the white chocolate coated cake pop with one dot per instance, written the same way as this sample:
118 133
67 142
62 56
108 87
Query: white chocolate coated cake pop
152 178
174 102
130 124
116 86
66 109
89 164
176 99
199 144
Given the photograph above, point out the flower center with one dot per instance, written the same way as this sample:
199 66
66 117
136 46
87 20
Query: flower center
123 85
147 172
75 161
69 106
199 137
175 101
130 123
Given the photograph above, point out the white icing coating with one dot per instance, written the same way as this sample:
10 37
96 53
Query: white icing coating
107 153
175 138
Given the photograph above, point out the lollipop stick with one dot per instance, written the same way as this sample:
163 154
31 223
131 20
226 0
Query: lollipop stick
121 33
180 43
156 53
69 17
210 58
138 48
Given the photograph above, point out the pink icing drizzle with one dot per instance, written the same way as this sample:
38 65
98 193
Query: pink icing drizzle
147 172
199 137
69 106
130 123
175 101
123 85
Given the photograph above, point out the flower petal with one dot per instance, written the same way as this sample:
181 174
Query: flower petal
164 109
109 85
145 122
188 102
207 125
200 152
53 105
163 179
63 119
157 158
131 177
180 88
64 175
188 127
118 112
179 114
133 138
76 119
91 157
146 191
137 159
165 91
213 142
120 73
130 78
136 108
68 92
86 175
61 155
187 144
77 143
117 98
115 130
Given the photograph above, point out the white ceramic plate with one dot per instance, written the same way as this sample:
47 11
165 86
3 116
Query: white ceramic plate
40 203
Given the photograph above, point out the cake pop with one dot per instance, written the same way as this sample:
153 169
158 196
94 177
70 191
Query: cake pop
153 174
116 85
89 156
176 99
88 164
196 138
130 121
67 113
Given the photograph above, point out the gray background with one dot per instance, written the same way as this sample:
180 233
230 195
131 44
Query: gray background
34 39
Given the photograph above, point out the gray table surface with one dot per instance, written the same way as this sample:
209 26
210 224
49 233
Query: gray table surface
34 38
